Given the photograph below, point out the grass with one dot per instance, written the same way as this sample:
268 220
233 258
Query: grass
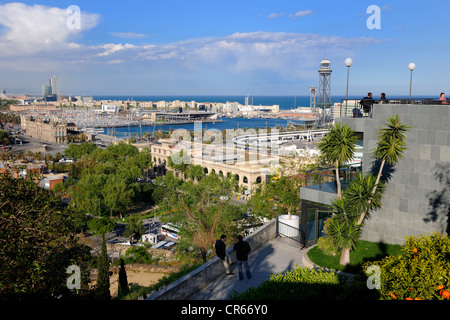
365 251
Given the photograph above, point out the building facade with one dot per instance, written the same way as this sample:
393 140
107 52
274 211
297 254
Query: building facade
249 174
47 130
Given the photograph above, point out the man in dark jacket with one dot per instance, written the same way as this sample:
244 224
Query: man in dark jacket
242 249
220 252
367 104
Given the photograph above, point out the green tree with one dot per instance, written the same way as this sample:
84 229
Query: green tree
117 195
76 151
123 150
87 194
200 215
103 283
337 148
5 137
36 242
275 197
390 148
123 287
195 172
99 226
178 161
134 229
365 193
420 271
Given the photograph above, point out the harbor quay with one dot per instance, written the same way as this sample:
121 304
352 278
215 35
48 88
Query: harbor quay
111 113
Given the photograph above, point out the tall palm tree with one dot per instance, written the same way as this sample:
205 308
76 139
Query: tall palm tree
390 148
342 228
364 193
337 148
357 198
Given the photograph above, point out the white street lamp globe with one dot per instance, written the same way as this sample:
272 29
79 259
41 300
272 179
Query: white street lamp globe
348 62
411 66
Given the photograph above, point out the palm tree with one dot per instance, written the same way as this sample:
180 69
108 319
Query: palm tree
357 198
337 148
365 192
342 228
390 147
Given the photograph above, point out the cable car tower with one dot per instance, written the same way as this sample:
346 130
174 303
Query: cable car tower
312 99
324 100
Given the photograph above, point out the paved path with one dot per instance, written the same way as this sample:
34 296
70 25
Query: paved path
278 255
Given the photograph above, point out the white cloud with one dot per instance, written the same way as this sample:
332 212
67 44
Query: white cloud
36 28
36 38
275 15
111 48
300 14
128 35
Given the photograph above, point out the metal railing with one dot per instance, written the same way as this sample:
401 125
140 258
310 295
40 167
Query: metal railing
324 179
354 108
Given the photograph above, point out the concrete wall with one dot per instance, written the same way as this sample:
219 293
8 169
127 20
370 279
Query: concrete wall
417 198
208 272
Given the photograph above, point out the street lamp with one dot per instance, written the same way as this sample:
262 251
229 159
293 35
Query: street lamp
348 62
411 67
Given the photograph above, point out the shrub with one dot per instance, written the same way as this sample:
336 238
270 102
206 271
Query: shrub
139 255
306 284
420 271
326 244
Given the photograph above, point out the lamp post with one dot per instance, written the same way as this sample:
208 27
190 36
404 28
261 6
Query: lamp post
411 67
348 63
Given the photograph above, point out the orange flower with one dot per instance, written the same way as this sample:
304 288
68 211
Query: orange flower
445 294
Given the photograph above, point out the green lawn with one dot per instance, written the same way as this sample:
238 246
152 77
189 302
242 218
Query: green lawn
365 251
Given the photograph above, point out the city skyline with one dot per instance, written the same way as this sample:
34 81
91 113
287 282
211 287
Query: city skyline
233 48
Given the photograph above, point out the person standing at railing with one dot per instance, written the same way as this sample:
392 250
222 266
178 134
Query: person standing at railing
383 98
221 253
242 250
367 103
442 99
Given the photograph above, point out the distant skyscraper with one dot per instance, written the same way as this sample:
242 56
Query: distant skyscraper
46 91
54 83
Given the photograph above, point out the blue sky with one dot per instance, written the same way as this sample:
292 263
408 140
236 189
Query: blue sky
223 48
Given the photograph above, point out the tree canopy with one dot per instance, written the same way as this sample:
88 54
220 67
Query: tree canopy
202 212
36 246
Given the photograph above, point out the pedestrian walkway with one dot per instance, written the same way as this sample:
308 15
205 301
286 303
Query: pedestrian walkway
277 256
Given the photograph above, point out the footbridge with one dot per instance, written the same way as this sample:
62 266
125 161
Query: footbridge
249 141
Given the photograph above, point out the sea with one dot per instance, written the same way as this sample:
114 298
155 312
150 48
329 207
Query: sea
285 103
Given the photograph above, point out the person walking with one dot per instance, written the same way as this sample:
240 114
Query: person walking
220 252
242 249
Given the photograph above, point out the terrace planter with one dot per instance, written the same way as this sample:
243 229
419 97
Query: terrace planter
289 226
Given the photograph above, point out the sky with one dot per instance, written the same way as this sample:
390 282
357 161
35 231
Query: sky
230 47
